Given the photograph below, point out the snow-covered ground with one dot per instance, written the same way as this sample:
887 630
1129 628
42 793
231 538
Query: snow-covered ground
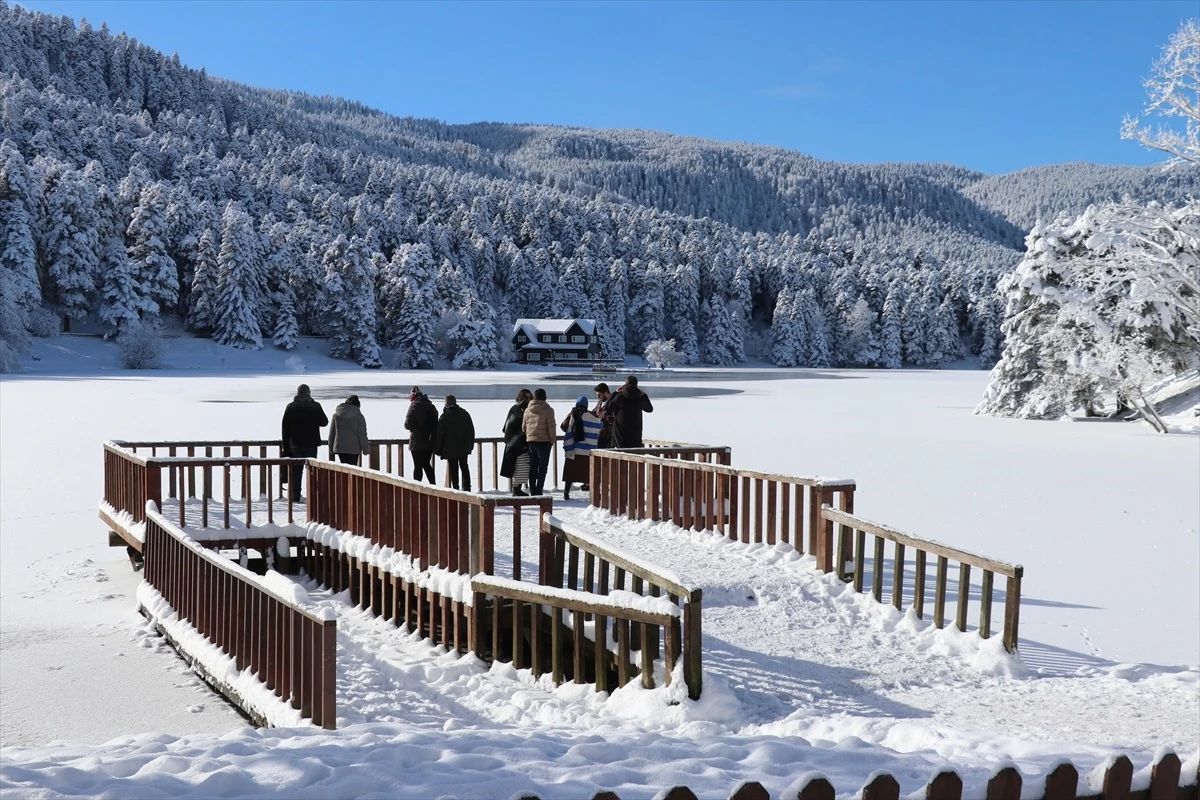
1104 517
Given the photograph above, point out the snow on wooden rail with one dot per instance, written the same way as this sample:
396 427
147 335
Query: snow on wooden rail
287 643
855 553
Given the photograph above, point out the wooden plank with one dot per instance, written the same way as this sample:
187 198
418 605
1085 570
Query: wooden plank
577 640
772 518
877 570
621 627
945 785
1062 783
1005 785
883 787
1117 780
1012 611
601 652
1164 778
556 670
535 638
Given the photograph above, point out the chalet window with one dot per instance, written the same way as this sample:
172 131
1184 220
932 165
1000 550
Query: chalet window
522 339
562 339
593 339
579 339
533 357
547 338
571 355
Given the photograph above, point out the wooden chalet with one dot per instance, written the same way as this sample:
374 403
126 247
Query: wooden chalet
551 341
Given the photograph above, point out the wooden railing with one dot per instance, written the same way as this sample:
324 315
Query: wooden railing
291 649
1061 784
130 481
528 626
391 456
440 527
855 552
744 505
686 451
604 570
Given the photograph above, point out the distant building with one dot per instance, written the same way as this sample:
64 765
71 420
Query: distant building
551 341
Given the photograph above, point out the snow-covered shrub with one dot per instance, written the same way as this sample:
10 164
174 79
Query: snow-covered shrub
140 345
44 323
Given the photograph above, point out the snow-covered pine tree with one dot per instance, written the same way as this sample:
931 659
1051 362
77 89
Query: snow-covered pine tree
816 340
788 343
861 347
474 336
415 322
645 314
350 302
154 270
287 330
202 298
18 248
71 242
889 329
235 310
612 326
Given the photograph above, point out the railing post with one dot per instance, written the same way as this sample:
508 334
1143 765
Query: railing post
692 672
374 462
153 491
1012 609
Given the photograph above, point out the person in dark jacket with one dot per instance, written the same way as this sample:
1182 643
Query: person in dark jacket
348 433
515 464
601 413
302 422
454 441
421 424
626 407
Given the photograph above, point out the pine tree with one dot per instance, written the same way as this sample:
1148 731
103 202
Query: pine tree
235 320
787 331
474 336
18 250
202 298
71 242
287 330
414 324
861 346
153 270
350 302
612 326
889 334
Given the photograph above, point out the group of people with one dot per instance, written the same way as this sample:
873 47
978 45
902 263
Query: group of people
529 435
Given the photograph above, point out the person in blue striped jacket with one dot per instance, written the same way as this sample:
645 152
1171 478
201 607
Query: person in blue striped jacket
582 429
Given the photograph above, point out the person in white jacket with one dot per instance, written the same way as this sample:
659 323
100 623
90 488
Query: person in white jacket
348 432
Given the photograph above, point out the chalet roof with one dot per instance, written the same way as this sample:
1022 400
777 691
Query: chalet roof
588 326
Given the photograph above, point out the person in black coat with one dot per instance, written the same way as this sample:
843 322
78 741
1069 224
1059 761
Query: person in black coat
625 408
454 441
302 422
421 424
515 464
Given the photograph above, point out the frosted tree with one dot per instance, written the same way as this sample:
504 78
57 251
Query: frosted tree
235 312
889 330
474 336
612 326
202 298
716 323
14 338
414 323
1174 89
154 270
861 347
645 314
287 329
662 354
350 302
787 331
811 319
70 242
18 248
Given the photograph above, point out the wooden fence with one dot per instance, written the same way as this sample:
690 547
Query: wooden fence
441 527
1061 784
291 649
605 570
852 550
744 505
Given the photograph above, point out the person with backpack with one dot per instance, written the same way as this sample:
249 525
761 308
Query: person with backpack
454 441
421 424
582 429
348 433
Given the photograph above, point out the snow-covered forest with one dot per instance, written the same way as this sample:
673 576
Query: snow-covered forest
134 190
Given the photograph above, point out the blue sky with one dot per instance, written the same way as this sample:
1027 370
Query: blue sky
995 86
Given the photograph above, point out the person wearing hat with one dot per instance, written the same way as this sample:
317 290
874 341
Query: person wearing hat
601 413
421 424
626 407
454 441
582 429
302 422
